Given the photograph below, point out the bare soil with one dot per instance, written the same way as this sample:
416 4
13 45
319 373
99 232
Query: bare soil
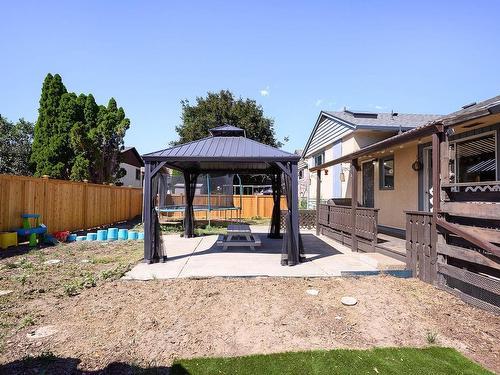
149 324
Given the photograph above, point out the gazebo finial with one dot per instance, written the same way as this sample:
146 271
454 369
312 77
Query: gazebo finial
227 131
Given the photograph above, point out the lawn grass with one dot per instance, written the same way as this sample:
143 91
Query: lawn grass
431 361
203 229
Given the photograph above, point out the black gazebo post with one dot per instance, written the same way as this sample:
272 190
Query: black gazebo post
148 236
295 213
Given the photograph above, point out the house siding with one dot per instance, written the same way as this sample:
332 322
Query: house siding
327 132
129 178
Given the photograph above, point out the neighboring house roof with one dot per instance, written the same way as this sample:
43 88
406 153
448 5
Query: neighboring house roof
467 113
332 126
382 121
129 155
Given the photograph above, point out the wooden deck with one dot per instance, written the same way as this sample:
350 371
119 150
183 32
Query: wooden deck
391 246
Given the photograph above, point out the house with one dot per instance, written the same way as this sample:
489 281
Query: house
340 133
438 185
132 163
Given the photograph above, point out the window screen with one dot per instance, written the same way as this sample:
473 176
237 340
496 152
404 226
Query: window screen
475 159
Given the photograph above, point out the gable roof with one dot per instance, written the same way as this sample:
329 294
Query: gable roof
130 156
335 125
467 113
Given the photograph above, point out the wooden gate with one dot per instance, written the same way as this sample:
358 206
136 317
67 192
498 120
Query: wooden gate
421 256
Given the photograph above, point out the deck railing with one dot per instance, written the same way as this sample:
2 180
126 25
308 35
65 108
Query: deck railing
468 251
339 219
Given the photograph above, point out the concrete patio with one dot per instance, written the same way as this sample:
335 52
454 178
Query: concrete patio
201 257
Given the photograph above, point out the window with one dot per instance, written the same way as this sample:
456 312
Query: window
137 174
319 159
386 167
475 159
301 174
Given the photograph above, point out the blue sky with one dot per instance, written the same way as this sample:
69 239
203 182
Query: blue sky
294 58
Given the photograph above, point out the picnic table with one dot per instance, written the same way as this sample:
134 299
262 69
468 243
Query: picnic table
238 235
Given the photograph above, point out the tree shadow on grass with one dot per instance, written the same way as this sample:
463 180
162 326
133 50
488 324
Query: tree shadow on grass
49 364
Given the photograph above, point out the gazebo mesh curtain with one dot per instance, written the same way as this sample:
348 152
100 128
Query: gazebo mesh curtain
190 179
274 231
292 253
158 252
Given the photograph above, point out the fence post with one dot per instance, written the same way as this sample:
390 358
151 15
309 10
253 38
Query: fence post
85 200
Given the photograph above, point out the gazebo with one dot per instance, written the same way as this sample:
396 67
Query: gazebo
226 150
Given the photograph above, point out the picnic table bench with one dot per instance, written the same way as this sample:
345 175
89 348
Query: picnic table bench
239 235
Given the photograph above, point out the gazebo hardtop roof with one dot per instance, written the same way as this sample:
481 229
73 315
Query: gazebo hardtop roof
225 149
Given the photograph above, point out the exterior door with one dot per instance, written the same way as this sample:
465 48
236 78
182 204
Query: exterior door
368 185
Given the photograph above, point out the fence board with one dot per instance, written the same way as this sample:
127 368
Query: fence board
65 205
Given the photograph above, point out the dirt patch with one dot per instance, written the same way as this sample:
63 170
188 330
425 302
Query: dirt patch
148 324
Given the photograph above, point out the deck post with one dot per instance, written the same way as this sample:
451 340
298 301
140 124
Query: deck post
148 240
354 202
436 164
318 198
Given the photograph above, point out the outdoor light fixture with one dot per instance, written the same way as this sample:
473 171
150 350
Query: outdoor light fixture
342 177
326 172
375 161
450 132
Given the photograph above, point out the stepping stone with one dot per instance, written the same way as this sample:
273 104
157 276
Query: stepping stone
5 292
42 332
52 261
312 292
349 301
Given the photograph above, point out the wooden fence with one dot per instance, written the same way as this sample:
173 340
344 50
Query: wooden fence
65 205
252 206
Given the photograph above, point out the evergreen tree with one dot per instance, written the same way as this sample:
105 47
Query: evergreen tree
108 137
222 108
75 138
82 142
44 154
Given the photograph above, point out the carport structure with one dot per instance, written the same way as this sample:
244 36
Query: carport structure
226 150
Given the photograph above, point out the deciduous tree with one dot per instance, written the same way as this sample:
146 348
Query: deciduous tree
223 108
